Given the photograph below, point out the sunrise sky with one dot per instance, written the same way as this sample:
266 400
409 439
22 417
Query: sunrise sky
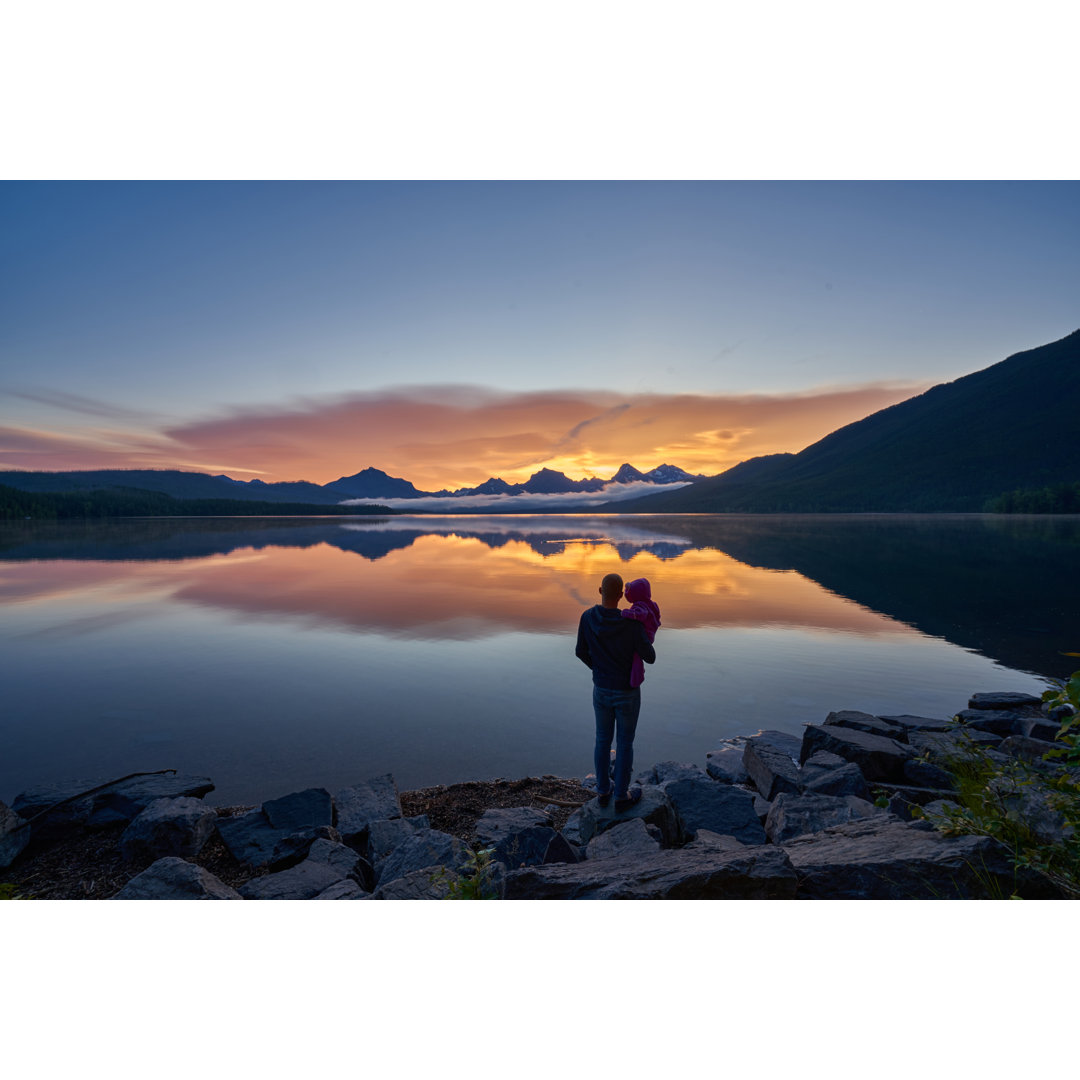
446 332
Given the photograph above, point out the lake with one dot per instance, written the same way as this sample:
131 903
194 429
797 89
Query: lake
278 654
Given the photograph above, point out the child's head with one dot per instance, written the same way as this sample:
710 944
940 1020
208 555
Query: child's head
638 589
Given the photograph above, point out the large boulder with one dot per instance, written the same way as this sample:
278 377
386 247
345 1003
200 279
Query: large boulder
118 802
880 858
384 836
430 883
703 803
343 859
996 721
173 878
251 839
795 815
294 847
14 836
346 889
726 765
301 882
628 839
879 758
770 767
1004 699
704 872
300 810
654 809
426 849
177 827
358 806
918 723
502 822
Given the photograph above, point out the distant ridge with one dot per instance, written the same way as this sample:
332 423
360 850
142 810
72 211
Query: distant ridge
952 448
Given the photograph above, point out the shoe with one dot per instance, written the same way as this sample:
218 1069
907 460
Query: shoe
603 800
633 797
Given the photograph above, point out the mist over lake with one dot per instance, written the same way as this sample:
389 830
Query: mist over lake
273 655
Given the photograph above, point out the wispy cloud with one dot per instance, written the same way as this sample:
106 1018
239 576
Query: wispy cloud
449 437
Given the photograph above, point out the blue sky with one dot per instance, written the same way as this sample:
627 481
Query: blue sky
147 307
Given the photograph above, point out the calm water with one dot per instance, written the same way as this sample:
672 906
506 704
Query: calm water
280 654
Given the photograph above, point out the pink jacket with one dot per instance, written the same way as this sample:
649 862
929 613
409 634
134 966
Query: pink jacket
639 593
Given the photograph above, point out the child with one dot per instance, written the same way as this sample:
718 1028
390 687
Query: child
639 594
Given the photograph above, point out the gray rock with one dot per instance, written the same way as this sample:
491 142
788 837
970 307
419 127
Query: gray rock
343 890
782 741
710 841
117 803
874 725
294 848
301 882
560 850
771 769
926 774
430 883
384 836
1029 749
1031 805
426 849
358 806
957 741
818 765
13 836
654 809
761 807
884 859
300 810
878 757
727 766
1038 727
847 780
676 770
1004 700
250 838
343 859
177 827
795 815
499 823
918 723
692 873
525 847
172 878
995 721
629 838
702 803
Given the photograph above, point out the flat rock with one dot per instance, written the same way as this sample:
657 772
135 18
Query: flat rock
860 721
664 771
927 774
703 803
727 766
166 827
795 815
848 779
629 838
1004 699
426 849
173 878
783 741
358 806
878 757
770 768
691 873
1038 727
300 810
117 803
301 882
956 741
918 723
996 721
13 836
1029 749
883 859
710 841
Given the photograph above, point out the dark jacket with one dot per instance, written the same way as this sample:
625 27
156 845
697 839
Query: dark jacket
606 642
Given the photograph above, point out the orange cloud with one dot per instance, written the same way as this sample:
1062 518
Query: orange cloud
449 437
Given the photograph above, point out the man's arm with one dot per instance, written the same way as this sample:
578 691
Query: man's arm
582 650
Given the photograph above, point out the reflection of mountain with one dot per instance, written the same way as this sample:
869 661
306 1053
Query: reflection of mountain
1002 586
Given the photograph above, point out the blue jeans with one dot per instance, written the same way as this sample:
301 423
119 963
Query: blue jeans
616 718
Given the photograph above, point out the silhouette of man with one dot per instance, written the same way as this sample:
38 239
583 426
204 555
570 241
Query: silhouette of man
606 643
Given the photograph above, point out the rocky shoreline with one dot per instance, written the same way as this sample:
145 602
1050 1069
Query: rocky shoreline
837 814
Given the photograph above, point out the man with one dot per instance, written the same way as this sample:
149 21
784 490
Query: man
607 642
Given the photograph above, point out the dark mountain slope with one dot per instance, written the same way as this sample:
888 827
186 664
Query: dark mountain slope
954 447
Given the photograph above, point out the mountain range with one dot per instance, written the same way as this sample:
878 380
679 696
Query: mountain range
369 483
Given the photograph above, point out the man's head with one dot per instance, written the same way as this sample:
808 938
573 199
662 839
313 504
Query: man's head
611 590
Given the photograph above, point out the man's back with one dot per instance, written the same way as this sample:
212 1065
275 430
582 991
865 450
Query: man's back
607 642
